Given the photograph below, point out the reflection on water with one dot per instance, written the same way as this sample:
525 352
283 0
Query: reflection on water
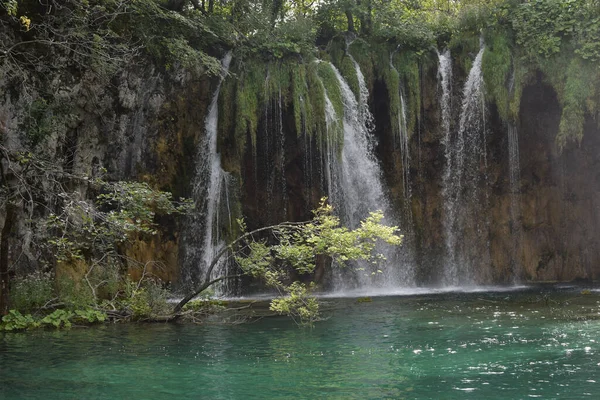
502 345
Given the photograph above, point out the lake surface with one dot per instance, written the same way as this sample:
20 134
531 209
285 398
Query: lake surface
503 345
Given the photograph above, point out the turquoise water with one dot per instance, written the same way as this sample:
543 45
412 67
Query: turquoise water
449 346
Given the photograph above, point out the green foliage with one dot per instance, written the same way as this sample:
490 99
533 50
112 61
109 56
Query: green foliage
145 300
577 91
248 99
60 318
362 52
542 26
31 292
404 23
89 316
204 307
391 78
575 81
74 293
92 230
177 51
298 304
11 7
303 111
43 119
331 88
15 321
104 36
299 245
497 67
407 66
278 81
291 37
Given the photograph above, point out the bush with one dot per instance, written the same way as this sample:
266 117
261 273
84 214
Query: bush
30 292
145 301
73 294
17 321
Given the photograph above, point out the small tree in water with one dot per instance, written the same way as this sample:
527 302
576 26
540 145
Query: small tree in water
298 245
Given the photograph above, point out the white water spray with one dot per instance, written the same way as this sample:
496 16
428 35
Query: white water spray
210 188
464 177
355 184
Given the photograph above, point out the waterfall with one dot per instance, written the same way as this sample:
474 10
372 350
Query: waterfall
465 179
332 164
359 183
402 136
514 173
364 113
210 188
445 79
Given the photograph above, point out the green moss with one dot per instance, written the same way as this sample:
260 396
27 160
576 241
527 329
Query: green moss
391 79
497 69
301 105
407 65
464 45
577 90
522 76
340 59
348 71
316 99
278 81
248 100
575 82
308 101
363 52
332 87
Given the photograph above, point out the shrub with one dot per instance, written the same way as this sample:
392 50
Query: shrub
30 292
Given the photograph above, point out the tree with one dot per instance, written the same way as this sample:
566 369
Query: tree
294 247
90 231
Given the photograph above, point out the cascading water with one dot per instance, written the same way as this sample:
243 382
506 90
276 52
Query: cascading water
445 80
359 188
402 136
464 181
332 166
514 173
210 189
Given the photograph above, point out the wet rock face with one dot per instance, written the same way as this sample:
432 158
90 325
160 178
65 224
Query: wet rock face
559 194
554 237
145 125
551 236
140 125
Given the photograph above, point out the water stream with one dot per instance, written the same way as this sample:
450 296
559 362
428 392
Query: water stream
465 191
361 185
210 193
401 134
514 172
